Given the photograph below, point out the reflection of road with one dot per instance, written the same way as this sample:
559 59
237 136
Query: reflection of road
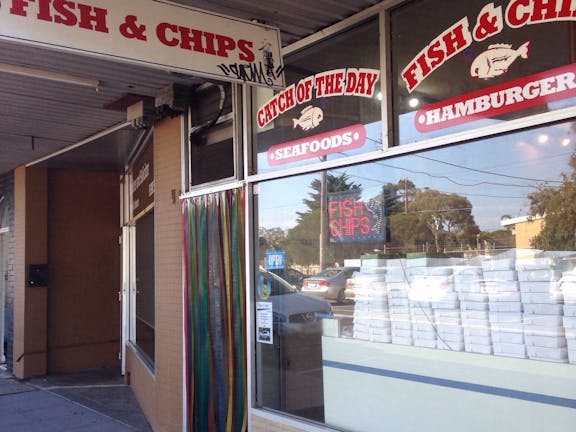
343 311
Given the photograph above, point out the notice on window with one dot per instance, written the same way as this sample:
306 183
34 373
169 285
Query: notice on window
264 332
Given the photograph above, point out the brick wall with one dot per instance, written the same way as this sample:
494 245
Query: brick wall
7 190
163 405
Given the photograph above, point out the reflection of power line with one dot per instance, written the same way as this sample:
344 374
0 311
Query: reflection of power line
485 172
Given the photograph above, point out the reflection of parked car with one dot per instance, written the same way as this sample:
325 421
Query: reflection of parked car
329 283
290 275
291 310
351 284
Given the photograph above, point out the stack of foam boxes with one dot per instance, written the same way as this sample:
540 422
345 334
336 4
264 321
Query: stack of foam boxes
469 284
399 302
568 289
505 306
433 301
543 309
371 312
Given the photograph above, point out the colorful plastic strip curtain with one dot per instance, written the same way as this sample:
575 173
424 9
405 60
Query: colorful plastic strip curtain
215 312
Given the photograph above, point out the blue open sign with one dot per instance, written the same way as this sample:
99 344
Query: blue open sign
275 259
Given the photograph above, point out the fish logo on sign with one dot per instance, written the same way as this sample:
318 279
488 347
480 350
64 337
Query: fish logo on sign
310 117
496 60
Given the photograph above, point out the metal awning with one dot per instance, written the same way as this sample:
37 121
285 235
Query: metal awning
39 117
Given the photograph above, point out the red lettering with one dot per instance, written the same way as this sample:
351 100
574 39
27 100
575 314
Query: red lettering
365 225
436 54
191 39
246 53
161 31
66 11
225 44
90 16
544 10
44 12
351 81
455 40
19 7
210 48
410 77
518 13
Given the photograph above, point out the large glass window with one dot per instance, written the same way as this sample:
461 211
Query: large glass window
459 65
451 251
331 107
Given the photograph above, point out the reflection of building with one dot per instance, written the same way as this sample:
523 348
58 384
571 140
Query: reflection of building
524 228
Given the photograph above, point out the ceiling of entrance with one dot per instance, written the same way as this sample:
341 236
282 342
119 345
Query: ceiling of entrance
39 117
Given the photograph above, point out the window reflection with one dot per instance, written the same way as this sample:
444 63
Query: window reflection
472 250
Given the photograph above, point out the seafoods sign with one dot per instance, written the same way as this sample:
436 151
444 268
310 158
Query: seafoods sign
155 33
493 62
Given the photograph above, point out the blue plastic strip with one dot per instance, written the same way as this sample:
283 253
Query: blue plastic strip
460 385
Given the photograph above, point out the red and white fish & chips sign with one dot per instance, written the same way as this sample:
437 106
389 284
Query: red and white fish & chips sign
515 95
155 33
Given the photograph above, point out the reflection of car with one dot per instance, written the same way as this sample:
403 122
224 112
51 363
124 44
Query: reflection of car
329 283
290 275
350 287
291 310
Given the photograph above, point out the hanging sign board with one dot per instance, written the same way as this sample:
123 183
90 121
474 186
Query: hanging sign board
150 32
143 181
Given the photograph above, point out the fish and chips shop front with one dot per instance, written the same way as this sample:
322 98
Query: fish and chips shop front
415 143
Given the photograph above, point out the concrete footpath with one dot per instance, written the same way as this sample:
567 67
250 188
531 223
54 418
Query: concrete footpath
88 402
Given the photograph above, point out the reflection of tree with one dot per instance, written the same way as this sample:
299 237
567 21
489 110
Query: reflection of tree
558 206
434 216
302 240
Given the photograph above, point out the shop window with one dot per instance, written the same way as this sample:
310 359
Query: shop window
145 286
464 65
448 259
331 107
212 154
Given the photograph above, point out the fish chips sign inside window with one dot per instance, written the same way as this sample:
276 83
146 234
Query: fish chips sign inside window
494 61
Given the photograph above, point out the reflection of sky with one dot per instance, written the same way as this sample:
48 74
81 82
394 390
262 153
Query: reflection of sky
495 174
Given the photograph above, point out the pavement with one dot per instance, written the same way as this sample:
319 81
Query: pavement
93 401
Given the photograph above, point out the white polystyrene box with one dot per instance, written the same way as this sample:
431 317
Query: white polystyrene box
509 349
477 349
380 323
449 329
395 325
475 314
496 264
572 356
545 341
477 340
542 320
446 304
570 310
536 263
549 297
540 287
472 286
504 297
429 271
361 335
543 309
476 331
467 271
475 322
505 306
396 274
381 338
508 327
548 354
539 275
473 306
401 333
501 286
569 322
416 305
445 320
423 327
473 296
507 337
448 313
501 275
396 287
505 317
538 330
398 302
397 316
